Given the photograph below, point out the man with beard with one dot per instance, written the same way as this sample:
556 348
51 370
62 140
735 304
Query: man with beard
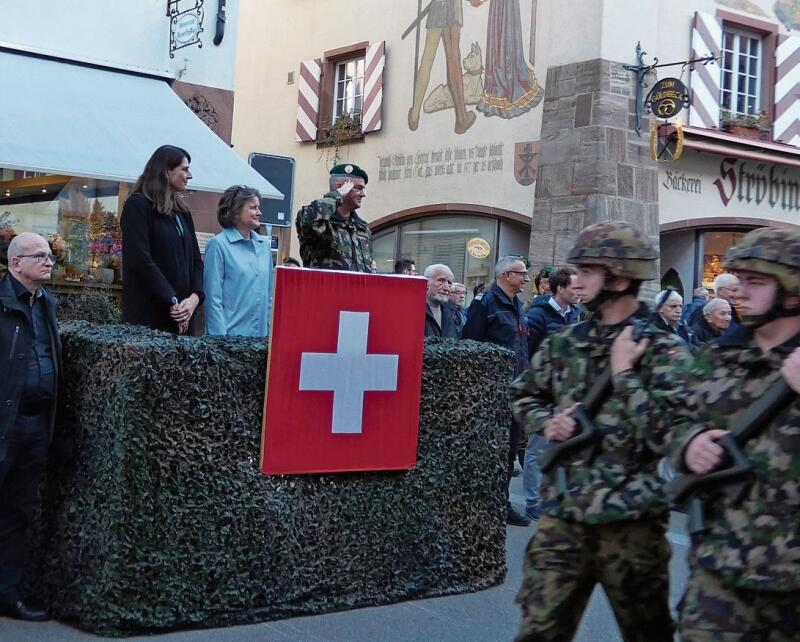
441 317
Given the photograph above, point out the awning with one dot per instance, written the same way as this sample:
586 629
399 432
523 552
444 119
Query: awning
62 118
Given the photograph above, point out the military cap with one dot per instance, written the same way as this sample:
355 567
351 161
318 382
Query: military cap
546 271
769 250
349 169
620 247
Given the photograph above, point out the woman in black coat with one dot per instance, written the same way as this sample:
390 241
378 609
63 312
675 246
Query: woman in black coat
667 316
162 282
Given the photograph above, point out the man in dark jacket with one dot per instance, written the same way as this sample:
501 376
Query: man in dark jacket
700 297
498 317
441 317
28 392
548 315
551 314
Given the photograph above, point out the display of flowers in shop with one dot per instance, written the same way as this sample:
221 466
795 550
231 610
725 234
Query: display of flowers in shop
58 246
7 232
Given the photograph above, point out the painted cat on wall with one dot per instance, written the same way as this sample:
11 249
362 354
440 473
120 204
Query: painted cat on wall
441 97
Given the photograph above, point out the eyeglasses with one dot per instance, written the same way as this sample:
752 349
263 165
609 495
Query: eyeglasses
524 275
40 257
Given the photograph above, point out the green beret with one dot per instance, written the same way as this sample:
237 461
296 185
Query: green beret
349 169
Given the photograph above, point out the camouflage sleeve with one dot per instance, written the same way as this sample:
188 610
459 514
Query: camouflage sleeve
532 392
312 220
650 393
686 421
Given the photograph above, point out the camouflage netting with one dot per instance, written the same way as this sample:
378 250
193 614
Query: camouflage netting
163 520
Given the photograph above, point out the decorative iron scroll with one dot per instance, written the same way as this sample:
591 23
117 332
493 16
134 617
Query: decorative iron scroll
185 24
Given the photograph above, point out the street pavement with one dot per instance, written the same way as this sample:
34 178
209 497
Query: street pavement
486 616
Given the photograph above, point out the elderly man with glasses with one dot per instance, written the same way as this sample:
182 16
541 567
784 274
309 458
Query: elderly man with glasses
30 346
498 317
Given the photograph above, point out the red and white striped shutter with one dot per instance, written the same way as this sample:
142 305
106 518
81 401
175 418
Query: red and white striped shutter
373 87
787 91
705 94
308 93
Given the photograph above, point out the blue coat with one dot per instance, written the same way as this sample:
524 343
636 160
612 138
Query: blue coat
496 318
543 320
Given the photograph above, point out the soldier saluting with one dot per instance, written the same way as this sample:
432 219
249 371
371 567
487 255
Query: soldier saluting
332 236
745 563
605 513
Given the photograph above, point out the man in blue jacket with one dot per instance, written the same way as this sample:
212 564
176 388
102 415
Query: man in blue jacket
498 317
546 316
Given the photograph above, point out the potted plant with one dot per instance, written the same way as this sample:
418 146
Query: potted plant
754 126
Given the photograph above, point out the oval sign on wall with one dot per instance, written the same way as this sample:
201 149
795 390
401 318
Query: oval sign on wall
187 28
668 97
478 247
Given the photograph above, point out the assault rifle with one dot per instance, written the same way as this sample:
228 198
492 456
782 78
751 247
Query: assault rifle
754 420
584 413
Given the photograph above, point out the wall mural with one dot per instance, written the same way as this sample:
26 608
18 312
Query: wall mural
504 86
787 11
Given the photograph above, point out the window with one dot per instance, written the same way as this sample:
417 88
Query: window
349 88
742 61
77 215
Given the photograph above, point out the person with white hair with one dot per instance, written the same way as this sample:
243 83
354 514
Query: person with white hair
726 286
667 315
715 321
441 317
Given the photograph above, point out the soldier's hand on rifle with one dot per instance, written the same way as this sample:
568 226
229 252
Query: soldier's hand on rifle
704 454
625 352
560 427
790 370
344 188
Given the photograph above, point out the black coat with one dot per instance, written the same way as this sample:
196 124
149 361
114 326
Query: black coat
704 333
158 264
498 319
451 322
680 329
16 340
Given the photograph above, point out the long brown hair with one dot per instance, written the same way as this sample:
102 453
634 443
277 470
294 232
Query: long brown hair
153 183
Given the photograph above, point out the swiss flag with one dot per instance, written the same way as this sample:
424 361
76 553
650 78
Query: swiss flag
344 372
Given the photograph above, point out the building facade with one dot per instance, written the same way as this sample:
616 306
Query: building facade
87 98
505 126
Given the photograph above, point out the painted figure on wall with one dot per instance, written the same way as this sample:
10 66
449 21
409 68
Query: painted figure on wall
510 87
443 24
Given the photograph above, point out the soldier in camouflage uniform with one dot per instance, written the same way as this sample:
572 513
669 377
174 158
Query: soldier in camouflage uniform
745 581
332 236
609 526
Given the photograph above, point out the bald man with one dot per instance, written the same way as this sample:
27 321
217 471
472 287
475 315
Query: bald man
29 336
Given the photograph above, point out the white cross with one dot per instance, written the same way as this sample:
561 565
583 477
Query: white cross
349 372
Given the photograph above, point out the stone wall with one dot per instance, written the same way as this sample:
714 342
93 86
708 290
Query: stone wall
593 165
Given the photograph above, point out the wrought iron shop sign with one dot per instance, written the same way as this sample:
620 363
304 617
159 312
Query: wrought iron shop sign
667 97
185 24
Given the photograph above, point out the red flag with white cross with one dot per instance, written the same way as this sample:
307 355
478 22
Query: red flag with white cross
344 372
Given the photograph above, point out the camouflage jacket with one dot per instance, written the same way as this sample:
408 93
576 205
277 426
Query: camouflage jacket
331 242
753 536
615 480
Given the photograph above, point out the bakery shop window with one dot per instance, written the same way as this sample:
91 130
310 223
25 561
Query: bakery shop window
715 244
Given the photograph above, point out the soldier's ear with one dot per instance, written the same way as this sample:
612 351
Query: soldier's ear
791 302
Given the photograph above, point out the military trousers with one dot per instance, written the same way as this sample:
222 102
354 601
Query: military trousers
712 611
565 560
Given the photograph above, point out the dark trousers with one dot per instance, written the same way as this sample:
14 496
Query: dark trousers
21 468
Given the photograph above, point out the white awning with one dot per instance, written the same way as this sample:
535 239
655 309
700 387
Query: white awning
62 118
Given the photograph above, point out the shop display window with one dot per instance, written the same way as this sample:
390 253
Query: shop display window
715 245
78 216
